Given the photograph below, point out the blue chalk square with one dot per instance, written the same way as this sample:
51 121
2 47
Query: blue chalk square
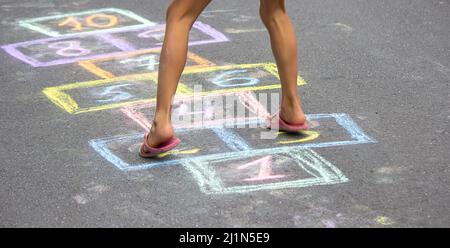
122 151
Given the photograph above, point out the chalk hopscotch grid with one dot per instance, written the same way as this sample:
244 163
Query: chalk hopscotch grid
240 146
35 26
199 166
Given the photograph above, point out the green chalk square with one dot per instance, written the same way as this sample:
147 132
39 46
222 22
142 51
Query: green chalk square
34 25
322 171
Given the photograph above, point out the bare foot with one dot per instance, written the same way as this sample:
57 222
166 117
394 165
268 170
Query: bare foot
159 133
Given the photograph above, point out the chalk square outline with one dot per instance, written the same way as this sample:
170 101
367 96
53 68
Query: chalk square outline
91 65
134 113
12 49
357 137
32 23
101 147
269 67
210 183
65 101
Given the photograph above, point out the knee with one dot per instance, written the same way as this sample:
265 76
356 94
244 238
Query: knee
271 13
179 15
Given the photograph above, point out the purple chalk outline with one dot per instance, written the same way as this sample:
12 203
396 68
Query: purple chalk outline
117 42
122 45
11 49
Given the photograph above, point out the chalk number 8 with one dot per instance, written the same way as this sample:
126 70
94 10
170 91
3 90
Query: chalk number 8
70 48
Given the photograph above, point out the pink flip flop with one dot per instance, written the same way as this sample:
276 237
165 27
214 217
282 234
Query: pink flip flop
285 126
147 151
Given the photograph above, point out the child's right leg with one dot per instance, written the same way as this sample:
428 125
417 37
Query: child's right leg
284 47
181 15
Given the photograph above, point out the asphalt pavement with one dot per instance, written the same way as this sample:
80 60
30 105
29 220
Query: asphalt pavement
374 83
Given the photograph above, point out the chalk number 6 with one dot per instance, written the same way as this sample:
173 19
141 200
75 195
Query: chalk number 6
223 79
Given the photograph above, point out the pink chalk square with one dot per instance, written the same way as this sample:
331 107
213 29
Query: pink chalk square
203 111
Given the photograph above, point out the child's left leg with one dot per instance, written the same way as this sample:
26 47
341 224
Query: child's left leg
181 15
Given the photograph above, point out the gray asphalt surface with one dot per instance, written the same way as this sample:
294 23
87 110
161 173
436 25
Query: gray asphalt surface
383 63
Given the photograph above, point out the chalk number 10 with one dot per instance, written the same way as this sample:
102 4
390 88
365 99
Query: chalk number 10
95 21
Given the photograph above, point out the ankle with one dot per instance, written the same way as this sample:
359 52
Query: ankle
291 106
161 119
290 99
161 129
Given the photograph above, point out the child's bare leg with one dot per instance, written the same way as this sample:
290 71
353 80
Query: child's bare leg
284 47
180 17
